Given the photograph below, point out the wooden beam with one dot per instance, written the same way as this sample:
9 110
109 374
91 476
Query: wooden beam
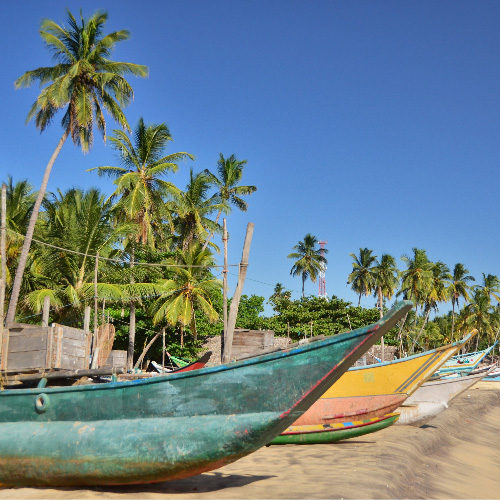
233 310
46 311
64 374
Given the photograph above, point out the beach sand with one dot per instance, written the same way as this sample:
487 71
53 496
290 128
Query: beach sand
454 455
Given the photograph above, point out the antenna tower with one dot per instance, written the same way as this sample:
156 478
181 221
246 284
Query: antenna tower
322 279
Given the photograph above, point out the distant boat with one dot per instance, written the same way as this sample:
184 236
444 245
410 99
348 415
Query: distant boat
331 433
464 363
433 397
371 391
169 427
493 376
195 365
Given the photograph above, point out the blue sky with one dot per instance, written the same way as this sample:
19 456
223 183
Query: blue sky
368 124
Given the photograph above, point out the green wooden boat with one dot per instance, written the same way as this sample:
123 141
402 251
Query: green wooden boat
165 428
331 433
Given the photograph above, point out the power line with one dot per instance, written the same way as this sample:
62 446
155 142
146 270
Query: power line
119 261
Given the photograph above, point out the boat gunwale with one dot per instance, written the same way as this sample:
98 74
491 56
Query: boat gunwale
264 358
413 356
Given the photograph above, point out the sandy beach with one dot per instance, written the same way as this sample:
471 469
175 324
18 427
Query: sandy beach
455 455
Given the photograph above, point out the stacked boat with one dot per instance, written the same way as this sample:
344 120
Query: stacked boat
457 375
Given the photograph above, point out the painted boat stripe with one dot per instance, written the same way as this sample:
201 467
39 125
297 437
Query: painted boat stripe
312 429
418 372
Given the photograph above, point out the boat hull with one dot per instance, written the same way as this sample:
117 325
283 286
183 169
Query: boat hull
171 427
374 390
340 410
433 397
331 433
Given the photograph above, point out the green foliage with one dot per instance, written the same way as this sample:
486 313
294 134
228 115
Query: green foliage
328 317
249 311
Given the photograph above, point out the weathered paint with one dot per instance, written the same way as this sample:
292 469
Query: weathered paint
170 427
375 390
331 433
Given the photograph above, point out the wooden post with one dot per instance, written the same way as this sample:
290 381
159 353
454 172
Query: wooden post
46 311
311 328
86 319
288 330
103 312
224 286
3 273
96 318
146 349
163 353
233 310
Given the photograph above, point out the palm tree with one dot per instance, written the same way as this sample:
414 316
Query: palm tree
310 260
362 277
479 314
437 292
84 82
188 290
191 210
415 283
386 276
490 286
416 280
140 189
20 201
82 222
230 171
459 288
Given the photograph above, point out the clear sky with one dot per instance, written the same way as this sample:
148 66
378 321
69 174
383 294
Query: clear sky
366 123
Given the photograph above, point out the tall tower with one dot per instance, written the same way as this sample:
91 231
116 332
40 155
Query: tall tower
322 279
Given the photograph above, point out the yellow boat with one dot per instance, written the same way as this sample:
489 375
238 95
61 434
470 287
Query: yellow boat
374 390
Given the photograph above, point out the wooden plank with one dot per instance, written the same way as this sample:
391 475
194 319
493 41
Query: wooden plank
64 374
22 361
116 358
28 342
74 333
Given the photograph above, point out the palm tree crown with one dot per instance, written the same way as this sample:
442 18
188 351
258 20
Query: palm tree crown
139 184
386 275
363 274
230 172
84 80
459 288
310 260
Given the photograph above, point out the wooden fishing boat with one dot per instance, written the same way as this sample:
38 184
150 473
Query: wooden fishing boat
476 371
464 363
374 390
171 427
195 365
331 433
493 376
434 396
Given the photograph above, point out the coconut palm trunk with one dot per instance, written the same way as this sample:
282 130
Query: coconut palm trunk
16 286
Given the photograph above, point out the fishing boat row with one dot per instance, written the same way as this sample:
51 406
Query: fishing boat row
148 429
